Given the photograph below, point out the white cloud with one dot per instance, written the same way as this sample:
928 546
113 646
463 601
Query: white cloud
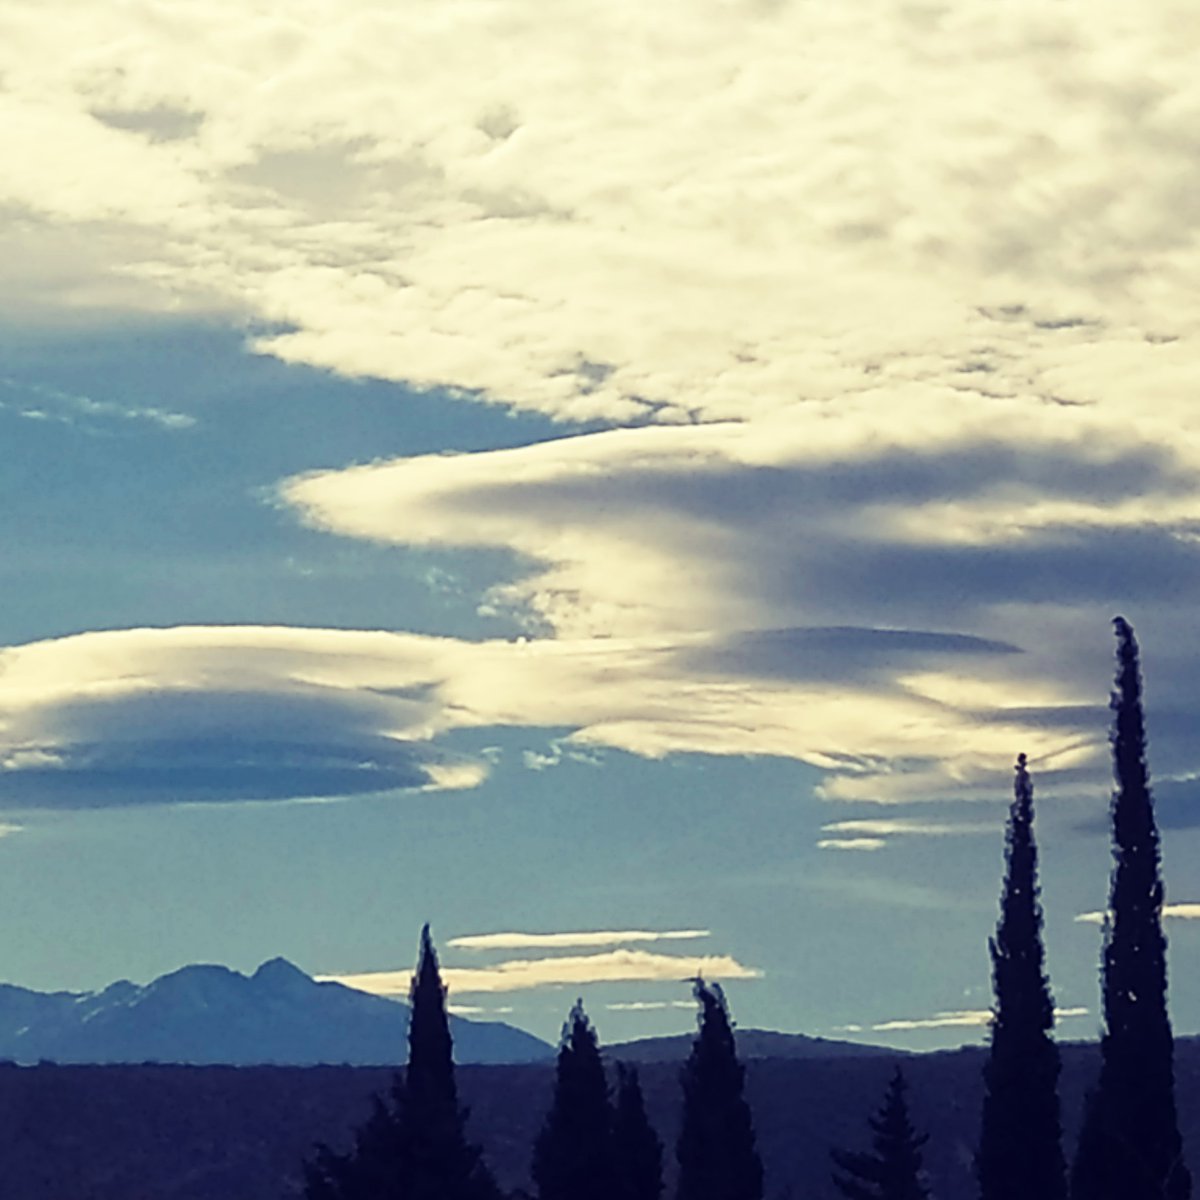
965 1019
614 966
873 833
1179 912
631 206
648 1005
547 941
890 285
861 843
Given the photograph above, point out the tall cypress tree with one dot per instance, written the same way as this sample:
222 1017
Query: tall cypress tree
413 1146
442 1164
637 1150
1130 1146
1020 1144
573 1154
891 1169
718 1159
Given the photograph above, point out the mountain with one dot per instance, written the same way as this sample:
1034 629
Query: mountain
751 1043
210 1014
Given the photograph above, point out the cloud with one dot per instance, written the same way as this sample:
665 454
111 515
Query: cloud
7 830
215 714
728 226
546 941
614 966
229 713
1179 912
873 833
648 1005
966 1019
861 339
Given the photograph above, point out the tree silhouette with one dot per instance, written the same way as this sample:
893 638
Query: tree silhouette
573 1154
1020 1144
891 1169
716 1150
1130 1144
637 1150
413 1146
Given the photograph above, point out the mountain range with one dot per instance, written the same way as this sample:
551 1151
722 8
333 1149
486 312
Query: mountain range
211 1015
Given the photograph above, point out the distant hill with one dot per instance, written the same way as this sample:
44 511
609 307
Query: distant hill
751 1043
210 1014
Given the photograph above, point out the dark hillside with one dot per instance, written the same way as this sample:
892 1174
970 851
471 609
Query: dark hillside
240 1133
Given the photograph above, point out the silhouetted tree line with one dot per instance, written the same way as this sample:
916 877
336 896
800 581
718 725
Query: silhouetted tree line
596 1142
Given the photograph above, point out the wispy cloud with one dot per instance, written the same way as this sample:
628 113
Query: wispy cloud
648 1005
546 941
858 843
908 827
962 1019
1179 912
616 966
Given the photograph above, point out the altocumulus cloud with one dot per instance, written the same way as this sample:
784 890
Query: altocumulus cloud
882 288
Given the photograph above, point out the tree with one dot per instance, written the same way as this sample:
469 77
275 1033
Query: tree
413 1146
891 1169
573 1154
637 1151
1130 1144
1020 1144
718 1159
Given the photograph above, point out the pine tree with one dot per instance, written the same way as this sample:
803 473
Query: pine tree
1130 1146
573 1155
637 1150
1020 1145
413 1146
716 1150
891 1169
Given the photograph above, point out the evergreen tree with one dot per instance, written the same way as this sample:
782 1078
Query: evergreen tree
891 1169
1020 1145
637 1151
716 1150
413 1146
573 1154
1130 1145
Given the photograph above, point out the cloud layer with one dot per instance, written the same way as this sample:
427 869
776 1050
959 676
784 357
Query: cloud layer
881 317
515 975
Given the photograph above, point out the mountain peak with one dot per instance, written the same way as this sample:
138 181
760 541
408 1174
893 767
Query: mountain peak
278 972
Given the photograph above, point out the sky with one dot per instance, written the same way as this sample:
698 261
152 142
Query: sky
619 482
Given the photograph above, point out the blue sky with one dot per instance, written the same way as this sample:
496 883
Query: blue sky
639 479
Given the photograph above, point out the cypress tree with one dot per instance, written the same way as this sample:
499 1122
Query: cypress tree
442 1164
413 1146
637 1151
1130 1146
573 1154
1020 1144
718 1159
891 1169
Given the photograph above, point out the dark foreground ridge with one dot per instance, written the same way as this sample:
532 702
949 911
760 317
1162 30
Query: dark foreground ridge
227 1133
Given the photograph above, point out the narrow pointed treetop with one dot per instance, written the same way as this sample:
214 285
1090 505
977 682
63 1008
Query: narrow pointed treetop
572 1157
430 1074
637 1150
1130 1143
1020 1145
891 1169
718 1158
